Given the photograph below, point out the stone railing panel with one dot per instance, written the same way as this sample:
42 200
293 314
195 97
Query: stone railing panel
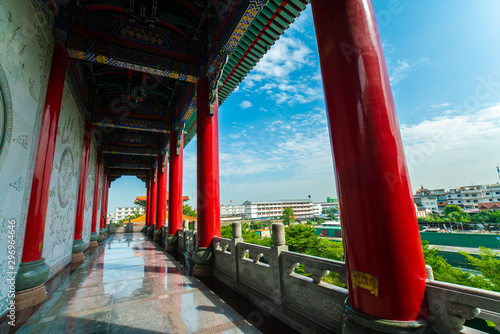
309 297
451 305
251 271
223 258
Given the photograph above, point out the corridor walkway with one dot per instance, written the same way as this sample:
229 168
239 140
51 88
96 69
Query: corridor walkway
130 286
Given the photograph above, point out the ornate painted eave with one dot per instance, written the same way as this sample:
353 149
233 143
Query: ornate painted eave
267 27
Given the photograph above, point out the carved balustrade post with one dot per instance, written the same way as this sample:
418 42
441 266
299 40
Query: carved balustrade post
278 231
237 237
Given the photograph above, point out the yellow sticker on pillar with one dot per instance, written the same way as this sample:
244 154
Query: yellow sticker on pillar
365 281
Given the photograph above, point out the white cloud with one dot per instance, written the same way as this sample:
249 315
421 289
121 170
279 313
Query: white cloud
246 104
440 105
403 68
287 55
302 21
454 149
298 144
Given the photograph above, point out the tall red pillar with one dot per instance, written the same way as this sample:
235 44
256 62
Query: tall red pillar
148 200
78 244
104 199
108 185
154 193
208 192
33 270
175 189
383 252
94 235
146 209
161 206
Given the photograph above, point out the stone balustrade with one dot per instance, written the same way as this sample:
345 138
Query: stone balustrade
267 277
186 239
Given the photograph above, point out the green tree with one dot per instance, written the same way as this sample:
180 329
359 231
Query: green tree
460 217
258 225
301 238
288 216
188 210
226 231
248 234
445 272
488 265
452 208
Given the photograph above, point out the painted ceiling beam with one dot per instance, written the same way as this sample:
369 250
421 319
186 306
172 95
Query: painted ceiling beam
133 115
127 165
115 143
127 123
139 58
131 45
128 150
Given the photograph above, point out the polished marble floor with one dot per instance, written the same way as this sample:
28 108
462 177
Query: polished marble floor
130 286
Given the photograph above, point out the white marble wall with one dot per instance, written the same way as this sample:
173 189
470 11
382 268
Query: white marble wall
89 194
61 212
25 53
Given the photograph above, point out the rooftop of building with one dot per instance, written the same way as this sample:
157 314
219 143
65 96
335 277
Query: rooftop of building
278 201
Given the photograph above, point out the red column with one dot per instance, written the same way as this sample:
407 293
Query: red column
82 186
95 220
108 185
208 193
148 203
154 192
175 185
161 206
104 198
146 209
383 253
39 198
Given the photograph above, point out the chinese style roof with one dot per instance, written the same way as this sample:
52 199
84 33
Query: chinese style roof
142 219
135 63
141 200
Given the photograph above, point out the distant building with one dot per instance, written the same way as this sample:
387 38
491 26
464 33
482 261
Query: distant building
317 209
122 213
268 209
466 197
489 206
232 210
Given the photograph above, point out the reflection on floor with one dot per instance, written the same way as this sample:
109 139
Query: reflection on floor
130 286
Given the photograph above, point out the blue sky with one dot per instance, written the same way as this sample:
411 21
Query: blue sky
444 65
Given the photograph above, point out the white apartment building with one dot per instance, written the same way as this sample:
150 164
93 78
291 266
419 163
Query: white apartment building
317 209
467 197
302 208
122 213
232 210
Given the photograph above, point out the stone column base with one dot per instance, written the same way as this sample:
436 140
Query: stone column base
355 322
76 260
171 248
93 245
151 231
203 270
30 297
101 236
